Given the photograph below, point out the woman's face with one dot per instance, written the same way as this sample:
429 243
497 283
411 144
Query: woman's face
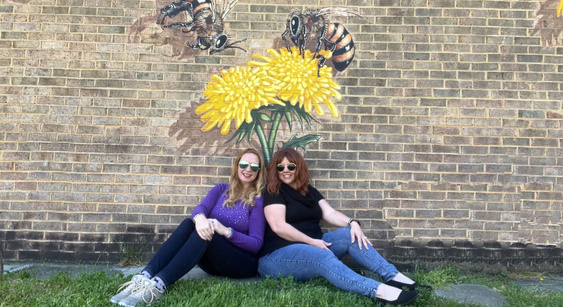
249 173
285 175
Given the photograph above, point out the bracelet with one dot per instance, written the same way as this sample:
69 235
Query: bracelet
353 220
230 234
195 216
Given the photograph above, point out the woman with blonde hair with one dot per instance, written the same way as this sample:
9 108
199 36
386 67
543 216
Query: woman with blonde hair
222 236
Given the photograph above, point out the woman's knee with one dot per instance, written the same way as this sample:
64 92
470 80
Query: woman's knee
341 234
187 223
186 227
268 267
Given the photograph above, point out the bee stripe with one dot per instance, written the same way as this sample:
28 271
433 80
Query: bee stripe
201 8
334 32
343 50
330 30
344 56
345 40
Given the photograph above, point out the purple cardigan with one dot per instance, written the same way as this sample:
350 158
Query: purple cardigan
248 223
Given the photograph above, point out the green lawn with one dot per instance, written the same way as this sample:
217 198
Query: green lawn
95 289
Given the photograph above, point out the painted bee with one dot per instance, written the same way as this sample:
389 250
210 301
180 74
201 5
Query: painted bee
207 21
315 24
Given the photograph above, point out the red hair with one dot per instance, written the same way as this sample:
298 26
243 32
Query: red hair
301 172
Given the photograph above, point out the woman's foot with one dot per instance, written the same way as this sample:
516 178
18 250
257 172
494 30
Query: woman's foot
146 293
410 286
127 288
400 281
394 296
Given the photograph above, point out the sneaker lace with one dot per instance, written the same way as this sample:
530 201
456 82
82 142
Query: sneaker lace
128 284
139 291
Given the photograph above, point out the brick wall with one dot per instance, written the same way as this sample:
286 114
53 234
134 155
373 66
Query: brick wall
450 127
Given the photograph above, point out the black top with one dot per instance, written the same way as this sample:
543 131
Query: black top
301 211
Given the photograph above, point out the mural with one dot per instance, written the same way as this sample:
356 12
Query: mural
199 21
207 19
141 32
202 21
187 130
549 24
314 25
286 84
282 88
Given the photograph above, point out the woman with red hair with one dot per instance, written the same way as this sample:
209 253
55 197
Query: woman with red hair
295 246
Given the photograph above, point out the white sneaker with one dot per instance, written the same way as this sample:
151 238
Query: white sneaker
127 288
146 292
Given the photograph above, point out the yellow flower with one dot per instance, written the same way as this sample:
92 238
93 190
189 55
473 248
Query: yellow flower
233 95
297 76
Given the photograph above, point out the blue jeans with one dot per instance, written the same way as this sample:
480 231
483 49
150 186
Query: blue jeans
304 261
184 249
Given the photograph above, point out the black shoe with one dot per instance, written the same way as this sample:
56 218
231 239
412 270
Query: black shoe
414 286
405 298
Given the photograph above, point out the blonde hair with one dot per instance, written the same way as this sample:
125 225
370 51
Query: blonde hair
236 189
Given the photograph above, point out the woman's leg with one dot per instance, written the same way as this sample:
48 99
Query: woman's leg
170 247
178 255
303 262
368 258
222 258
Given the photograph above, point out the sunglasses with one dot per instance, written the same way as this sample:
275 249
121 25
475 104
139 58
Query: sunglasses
255 167
290 167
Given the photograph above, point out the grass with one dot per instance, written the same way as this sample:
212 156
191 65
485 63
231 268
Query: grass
132 254
95 289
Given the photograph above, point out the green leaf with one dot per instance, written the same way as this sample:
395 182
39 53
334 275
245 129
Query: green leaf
242 131
300 114
297 115
251 128
288 119
265 118
296 142
270 108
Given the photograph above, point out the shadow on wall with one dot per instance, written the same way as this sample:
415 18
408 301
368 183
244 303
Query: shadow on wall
145 30
477 211
546 258
547 24
187 130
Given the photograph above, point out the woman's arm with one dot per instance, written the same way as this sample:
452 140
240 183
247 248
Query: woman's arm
209 201
200 213
275 215
337 218
252 241
332 216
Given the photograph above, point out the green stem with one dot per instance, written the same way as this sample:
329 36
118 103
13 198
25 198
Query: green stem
262 138
273 132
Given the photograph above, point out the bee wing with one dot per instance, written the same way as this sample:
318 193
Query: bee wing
226 8
341 11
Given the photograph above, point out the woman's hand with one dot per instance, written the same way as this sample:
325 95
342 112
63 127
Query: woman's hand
357 233
220 229
204 227
320 244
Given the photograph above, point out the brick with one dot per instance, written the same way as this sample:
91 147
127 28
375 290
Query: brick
464 101
425 233
156 199
463 214
131 218
416 56
428 213
396 213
